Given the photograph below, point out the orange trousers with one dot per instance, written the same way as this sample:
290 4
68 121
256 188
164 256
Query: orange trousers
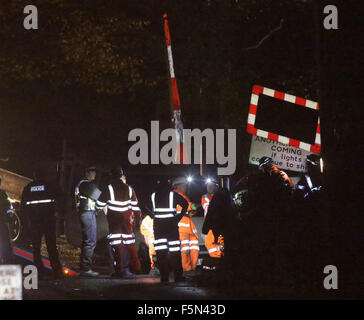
189 251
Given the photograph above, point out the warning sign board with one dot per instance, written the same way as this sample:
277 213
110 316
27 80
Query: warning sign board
284 118
285 157
10 282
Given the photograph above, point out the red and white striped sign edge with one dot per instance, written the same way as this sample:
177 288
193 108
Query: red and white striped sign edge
257 90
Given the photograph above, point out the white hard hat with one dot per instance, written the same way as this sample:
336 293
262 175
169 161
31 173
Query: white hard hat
179 180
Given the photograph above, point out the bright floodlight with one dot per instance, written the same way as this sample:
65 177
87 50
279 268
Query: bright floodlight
208 180
189 179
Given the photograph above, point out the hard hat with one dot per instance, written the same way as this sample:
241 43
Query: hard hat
211 180
265 162
179 180
313 159
117 172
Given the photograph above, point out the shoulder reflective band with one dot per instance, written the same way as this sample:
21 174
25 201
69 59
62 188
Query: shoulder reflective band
40 201
251 129
130 192
111 190
171 200
77 189
153 200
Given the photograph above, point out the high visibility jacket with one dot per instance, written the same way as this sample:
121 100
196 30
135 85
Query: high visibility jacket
39 194
189 239
215 249
146 229
83 203
119 198
166 219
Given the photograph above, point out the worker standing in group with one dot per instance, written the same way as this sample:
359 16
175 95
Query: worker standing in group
274 247
215 247
38 202
6 211
146 229
186 228
166 236
86 194
123 214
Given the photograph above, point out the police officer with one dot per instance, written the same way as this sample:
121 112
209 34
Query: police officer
166 219
6 210
38 202
86 194
123 214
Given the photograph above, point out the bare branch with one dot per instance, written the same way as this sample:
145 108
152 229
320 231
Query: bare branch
265 37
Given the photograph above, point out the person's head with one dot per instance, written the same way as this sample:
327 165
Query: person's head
211 185
313 162
180 183
90 173
266 164
123 178
117 173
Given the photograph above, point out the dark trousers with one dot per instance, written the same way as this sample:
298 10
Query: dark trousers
167 247
122 241
89 238
6 249
43 222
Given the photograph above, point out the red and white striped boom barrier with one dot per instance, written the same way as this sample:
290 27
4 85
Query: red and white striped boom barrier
176 104
258 90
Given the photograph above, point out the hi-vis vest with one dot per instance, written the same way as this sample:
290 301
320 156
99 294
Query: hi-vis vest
38 193
162 213
119 206
83 202
205 201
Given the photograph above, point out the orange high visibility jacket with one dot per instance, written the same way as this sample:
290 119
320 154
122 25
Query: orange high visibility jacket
186 225
214 249
146 229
